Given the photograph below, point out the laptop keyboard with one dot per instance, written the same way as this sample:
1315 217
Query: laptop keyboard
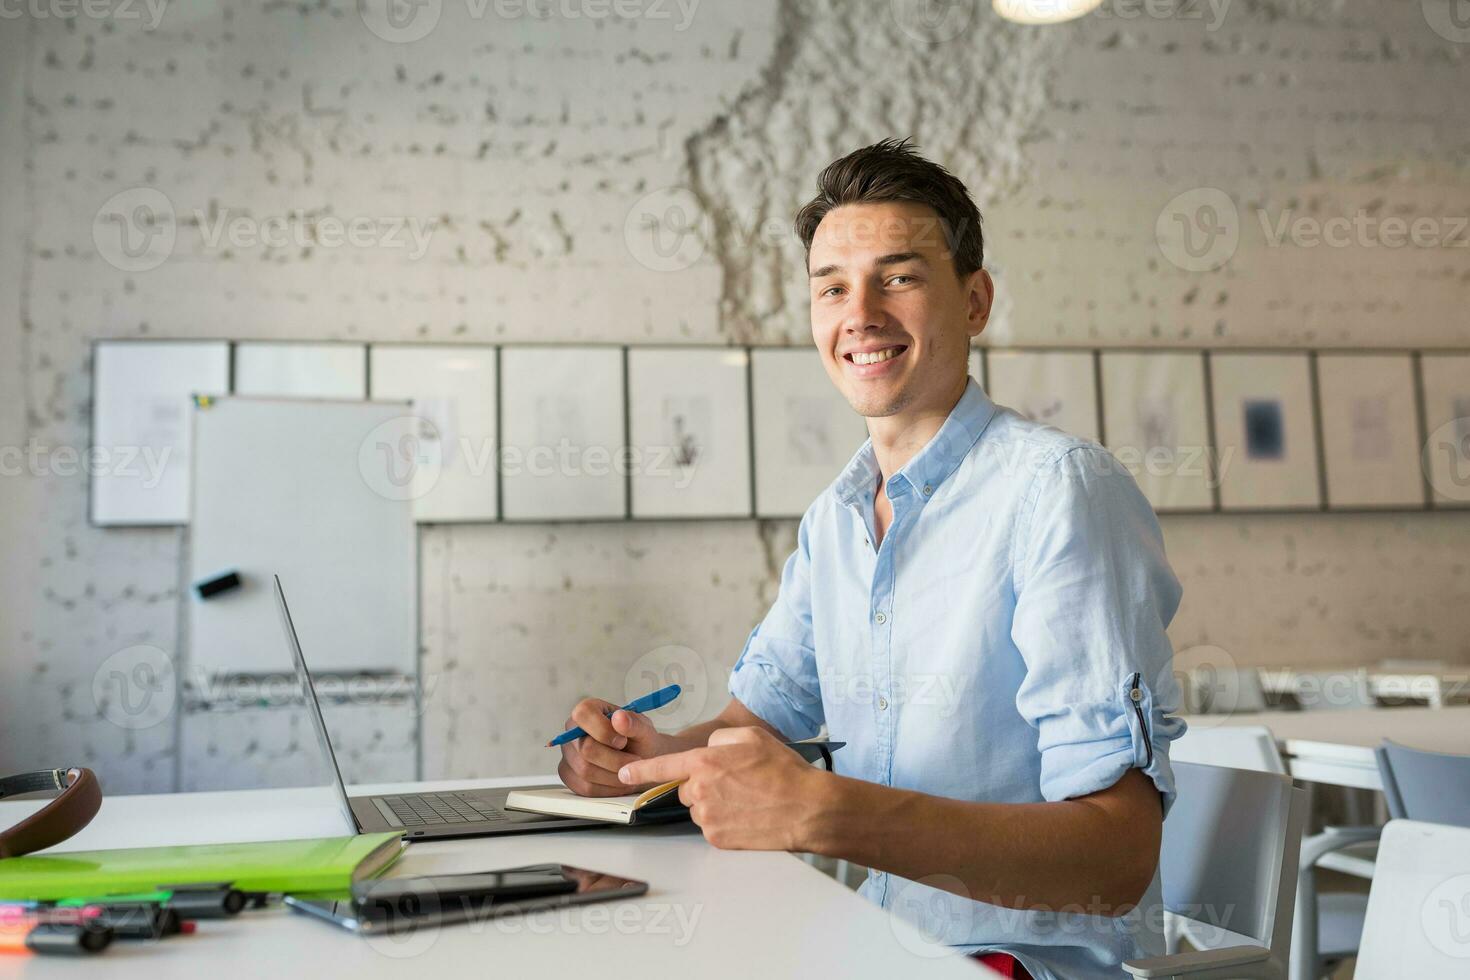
433 809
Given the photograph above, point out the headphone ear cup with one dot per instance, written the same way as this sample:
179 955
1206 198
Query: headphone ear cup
62 818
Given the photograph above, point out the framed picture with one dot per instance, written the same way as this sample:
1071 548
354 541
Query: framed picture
142 425
688 424
804 430
1370 430
1265 432
562 455
1157 425
1446 454
1058 387
301 370
452 391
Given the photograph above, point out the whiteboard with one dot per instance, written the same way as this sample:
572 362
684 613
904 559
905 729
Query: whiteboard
453 392
294 370
562 428
141 416
295 488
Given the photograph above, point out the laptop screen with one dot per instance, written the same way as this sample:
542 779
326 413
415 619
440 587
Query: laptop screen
313 707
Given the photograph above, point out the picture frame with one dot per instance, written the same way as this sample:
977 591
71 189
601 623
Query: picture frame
1265 431
1445 406
453 391
1058 387
1157 425
1370 430
803 430
563 441
689 432
142 419
297 369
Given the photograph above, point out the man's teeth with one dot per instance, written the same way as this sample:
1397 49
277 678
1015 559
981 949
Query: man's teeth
858 357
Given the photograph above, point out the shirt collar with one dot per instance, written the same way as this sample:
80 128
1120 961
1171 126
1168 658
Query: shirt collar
933 464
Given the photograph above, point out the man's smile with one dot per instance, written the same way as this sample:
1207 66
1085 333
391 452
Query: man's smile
874 360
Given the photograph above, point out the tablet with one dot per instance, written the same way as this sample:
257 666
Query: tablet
391 905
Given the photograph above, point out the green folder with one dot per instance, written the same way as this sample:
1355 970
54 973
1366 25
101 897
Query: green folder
320 864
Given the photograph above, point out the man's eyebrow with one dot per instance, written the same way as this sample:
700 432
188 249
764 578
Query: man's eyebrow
893 258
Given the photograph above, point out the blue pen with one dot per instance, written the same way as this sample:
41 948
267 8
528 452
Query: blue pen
646 703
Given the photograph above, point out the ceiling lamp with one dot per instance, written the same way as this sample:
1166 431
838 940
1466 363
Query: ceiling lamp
1044 11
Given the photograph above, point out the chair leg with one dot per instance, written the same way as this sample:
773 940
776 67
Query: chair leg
1304 962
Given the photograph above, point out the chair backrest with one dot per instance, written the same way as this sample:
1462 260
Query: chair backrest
1334 690
1418 920
1420 785
1233 746
1229 854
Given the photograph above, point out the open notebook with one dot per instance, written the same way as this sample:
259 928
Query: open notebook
657 805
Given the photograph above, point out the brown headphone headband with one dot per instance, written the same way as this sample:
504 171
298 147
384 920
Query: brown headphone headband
80 799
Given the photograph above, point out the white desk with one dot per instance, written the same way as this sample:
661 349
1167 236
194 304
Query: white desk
708 913
1337 746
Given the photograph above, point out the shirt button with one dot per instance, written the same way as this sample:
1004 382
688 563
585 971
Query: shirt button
1136 694
928 489
879 618
882 704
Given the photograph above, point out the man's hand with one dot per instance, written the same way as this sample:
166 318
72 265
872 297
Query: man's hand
746 791
589 766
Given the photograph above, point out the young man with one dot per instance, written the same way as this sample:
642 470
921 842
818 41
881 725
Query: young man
976 606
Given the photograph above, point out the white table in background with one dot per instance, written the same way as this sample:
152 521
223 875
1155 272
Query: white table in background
708 913
1336 747
1435 687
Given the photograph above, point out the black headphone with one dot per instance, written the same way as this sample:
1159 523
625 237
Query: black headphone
79 800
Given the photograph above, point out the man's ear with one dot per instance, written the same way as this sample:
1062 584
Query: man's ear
979 298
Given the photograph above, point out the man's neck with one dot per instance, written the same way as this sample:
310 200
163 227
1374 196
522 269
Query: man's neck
898 438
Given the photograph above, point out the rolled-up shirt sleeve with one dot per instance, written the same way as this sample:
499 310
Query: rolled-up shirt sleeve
1094 596
776 675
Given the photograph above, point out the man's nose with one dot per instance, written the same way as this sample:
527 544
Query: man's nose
864 311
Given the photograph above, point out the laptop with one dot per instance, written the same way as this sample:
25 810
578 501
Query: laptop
420 816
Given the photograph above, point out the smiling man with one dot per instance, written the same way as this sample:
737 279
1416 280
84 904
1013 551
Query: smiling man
976 605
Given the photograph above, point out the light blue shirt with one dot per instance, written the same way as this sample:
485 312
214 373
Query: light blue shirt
1005 643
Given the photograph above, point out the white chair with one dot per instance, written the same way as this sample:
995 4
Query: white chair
1327 925
1419 907
1228 863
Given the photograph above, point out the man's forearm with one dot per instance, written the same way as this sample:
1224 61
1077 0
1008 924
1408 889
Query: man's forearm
1091 854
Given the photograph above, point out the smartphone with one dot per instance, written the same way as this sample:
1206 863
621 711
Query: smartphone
389 905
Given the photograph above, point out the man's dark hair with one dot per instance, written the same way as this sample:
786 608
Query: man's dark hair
890 170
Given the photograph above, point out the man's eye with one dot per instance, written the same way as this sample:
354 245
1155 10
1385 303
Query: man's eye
831 291
900 280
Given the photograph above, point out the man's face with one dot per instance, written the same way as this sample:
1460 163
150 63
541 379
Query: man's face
890 317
